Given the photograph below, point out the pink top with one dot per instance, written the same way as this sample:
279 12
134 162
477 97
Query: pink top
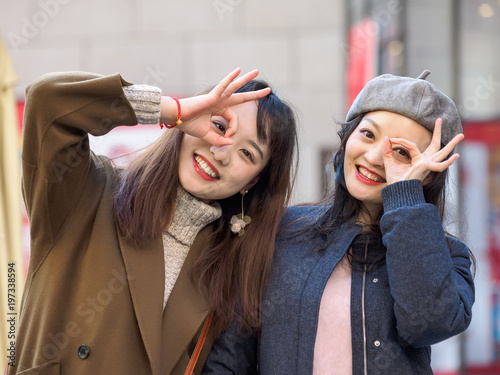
333 347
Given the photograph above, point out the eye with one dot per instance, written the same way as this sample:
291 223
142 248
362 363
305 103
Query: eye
368 133
402 152
219 126
248 154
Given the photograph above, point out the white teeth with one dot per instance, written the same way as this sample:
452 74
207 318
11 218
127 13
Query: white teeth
205 167
370 176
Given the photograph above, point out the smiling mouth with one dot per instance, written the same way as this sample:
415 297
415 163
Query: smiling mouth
205 167
366 174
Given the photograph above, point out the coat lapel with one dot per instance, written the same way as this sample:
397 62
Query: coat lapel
186 309
146 276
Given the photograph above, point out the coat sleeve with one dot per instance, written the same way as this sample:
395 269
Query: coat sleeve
61 110
429 273
233 353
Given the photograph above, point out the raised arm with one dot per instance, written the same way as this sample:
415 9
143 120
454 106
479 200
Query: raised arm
61 109
429 273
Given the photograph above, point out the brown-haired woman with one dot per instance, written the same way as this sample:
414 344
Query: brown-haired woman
126 265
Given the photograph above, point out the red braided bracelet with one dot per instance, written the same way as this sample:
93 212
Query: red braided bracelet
178 122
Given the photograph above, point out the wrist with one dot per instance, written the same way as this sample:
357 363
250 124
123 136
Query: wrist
169 110
402 193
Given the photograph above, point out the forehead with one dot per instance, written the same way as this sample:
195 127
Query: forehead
247 126
247 115
395 125
247 120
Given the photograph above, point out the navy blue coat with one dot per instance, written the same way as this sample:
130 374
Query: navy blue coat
421 296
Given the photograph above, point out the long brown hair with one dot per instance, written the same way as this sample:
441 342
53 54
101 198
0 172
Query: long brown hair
232 271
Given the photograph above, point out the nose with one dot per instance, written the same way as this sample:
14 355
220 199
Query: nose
374 155
221 154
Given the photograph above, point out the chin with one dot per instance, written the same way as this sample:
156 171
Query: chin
194 192
200 194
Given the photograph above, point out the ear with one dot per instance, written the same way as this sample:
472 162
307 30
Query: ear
249 186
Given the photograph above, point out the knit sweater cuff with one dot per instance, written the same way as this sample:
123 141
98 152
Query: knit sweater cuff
403 193
146 102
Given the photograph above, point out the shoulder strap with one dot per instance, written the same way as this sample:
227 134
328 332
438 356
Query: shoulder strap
199 345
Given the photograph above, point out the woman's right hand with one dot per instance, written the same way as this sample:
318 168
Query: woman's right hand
420 164
197 111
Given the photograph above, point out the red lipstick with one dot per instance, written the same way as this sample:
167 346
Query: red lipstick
201 172
365 180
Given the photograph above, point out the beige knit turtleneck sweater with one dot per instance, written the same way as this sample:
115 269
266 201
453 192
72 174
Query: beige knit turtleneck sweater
191 216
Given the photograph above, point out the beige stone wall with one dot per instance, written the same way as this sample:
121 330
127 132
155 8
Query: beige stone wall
185 46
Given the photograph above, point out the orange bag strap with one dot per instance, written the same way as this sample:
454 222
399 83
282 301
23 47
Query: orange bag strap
199 345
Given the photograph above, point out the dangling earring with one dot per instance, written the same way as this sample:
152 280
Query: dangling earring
240 221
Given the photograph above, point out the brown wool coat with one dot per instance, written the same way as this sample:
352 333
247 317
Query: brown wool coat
93 302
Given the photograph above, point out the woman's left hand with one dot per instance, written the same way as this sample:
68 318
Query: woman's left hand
433 159
197 111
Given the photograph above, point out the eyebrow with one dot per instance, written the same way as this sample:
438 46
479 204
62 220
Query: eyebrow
372 122
256 146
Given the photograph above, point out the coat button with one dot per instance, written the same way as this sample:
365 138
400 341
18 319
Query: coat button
377 343
375 280
83 351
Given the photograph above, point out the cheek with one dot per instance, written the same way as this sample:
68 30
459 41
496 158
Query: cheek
355 147
189 142
184 159
350 150
244 176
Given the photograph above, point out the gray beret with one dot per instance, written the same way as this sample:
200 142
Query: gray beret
411 97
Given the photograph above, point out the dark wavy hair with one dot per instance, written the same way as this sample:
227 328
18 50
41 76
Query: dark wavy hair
231 270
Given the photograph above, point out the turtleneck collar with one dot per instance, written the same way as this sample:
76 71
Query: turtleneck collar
191 215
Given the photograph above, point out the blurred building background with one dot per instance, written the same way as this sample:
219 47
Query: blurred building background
317 54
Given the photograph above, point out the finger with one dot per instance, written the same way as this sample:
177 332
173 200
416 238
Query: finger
216 139
232 119
446 150
235 85
226 81
451 144
409 146
387 151
436 136
248 96
440 167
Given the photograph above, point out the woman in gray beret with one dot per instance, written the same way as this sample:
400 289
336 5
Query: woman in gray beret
367 281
